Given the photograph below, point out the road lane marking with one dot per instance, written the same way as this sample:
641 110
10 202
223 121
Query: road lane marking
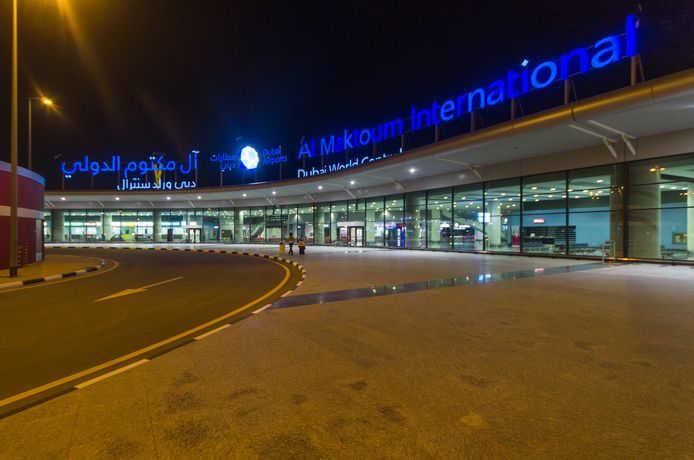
120 359
202 336
262 309
79 386
136 290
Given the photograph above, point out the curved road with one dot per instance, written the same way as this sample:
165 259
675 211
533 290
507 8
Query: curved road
50 332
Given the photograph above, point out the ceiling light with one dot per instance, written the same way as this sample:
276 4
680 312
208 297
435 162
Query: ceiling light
117 198
168 197
412 170
320 187
244 195
600 181
274 192
199 197
352 182
62 198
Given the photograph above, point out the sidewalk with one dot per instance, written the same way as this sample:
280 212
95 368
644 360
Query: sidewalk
53 264
591 364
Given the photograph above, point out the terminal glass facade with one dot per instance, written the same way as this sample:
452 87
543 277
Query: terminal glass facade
642 209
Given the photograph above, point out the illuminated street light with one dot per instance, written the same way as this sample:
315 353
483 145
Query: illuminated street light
12 249
48 103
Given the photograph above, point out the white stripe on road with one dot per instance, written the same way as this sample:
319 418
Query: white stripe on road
110 374
202 336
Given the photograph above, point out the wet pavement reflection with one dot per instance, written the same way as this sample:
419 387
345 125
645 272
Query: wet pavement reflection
391 289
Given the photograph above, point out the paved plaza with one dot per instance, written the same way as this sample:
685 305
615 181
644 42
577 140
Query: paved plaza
593 362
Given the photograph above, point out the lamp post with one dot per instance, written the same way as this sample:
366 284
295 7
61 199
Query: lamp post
48 103
13 149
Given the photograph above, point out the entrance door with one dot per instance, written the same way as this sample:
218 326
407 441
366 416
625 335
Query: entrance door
356 236
194 235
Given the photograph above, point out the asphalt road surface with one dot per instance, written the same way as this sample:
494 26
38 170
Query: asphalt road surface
54 335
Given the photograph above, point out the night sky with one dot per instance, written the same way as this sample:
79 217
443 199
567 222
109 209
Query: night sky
141 76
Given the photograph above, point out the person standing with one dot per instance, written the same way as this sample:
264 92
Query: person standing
290 241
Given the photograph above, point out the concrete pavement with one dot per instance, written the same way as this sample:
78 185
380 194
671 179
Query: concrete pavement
592 364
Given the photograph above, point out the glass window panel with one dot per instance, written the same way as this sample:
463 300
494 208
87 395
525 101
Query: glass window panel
394 225
227 218
468 227
254 226
144 227
662 233
375 235
93 227
47 226
210 225
596 233
439 216
322 223
502 215
546 234
609 176
415 219
547 184
596 189
304 223
662 170
339 218
670 195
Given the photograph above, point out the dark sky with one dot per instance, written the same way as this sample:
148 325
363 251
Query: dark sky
137 76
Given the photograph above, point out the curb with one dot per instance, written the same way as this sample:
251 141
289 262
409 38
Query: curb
54 277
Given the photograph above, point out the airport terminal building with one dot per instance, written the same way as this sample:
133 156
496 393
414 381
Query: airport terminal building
612 174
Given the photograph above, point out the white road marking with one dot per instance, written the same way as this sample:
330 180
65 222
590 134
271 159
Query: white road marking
110 374
202 336
136 290
262 309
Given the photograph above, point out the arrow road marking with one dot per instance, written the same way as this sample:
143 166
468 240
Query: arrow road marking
136 290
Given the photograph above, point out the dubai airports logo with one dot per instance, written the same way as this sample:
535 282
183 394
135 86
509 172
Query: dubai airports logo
249 157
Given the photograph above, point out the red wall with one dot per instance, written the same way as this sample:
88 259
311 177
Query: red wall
30 190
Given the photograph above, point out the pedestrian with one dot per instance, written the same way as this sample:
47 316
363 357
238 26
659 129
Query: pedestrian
290 240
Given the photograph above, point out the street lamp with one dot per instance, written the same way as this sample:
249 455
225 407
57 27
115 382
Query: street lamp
12 249
48 103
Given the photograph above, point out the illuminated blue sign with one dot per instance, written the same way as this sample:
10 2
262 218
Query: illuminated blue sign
225 161
515 83
340 165
134 170
274 156
249 157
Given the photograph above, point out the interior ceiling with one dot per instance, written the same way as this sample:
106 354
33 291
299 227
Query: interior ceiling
673 114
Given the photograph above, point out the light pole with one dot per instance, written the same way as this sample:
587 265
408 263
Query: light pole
13 149
48 103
